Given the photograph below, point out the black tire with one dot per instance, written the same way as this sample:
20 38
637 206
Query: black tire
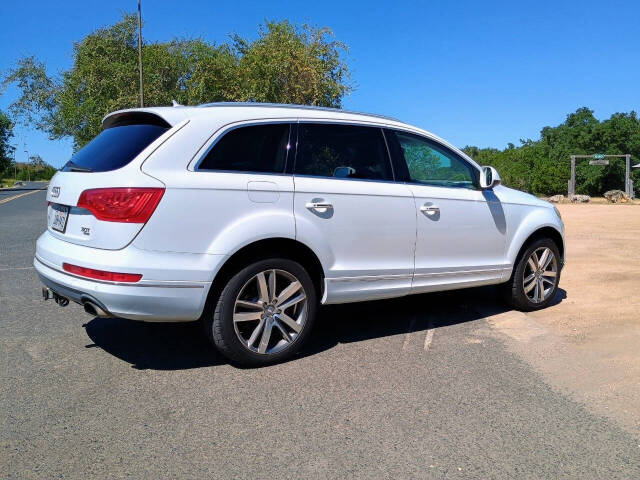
218 317
514 288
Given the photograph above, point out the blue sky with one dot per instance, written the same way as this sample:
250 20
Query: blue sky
477 73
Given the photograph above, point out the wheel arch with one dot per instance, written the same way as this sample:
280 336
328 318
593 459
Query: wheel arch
546 231
265 248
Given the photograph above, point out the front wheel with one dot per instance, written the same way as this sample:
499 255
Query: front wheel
535 279
264 313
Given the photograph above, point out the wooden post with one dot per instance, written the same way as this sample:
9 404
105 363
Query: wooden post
627 176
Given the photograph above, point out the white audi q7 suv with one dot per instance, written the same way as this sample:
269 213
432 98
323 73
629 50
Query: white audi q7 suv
249 216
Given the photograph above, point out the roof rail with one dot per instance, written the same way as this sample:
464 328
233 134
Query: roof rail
293 106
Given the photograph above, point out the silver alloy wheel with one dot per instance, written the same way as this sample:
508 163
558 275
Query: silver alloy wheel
270 311
540 275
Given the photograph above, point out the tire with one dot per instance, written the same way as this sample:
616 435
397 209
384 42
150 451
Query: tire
242 298
525 277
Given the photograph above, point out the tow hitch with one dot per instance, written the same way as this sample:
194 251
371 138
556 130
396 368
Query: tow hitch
48 294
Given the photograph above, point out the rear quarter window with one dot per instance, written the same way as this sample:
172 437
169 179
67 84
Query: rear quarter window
255 148
114 148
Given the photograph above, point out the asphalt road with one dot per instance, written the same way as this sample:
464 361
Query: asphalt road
26 188
420 387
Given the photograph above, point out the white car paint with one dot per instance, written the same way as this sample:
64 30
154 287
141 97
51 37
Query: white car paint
373 242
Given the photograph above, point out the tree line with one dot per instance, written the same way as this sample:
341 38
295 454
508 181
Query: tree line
542 166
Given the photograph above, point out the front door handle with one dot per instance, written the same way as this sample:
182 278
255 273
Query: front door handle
318 206
429 210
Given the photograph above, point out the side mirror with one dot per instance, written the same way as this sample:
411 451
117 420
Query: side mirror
489 178
344 172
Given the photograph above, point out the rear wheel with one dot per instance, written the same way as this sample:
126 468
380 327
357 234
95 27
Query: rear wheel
264 313
535 279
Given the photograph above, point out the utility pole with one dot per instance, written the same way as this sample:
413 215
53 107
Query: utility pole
140 52
27 162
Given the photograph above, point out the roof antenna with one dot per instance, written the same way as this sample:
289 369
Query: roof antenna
176 104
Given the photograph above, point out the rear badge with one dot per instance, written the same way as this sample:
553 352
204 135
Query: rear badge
55 192
86 230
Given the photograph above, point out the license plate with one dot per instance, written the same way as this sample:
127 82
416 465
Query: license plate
59 217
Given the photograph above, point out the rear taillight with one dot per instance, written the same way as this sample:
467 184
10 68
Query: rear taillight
101 274
128 205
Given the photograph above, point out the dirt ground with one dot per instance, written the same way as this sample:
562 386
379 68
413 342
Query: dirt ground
588 344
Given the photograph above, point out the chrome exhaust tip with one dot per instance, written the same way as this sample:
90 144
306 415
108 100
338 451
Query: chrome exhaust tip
93 309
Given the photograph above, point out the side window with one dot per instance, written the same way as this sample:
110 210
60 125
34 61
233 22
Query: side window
343 151
432 164
256 148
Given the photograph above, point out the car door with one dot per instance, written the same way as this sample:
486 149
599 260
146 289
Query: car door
350 211
460 228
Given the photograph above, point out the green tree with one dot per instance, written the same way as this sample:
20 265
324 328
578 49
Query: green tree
292 65
286 64
6 149
542 166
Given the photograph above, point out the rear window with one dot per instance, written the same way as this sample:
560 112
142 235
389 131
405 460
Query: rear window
256 148
344 151
114 148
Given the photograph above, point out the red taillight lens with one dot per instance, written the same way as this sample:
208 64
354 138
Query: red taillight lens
101 274
128 205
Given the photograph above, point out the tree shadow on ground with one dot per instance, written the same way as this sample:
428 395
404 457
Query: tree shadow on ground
178 346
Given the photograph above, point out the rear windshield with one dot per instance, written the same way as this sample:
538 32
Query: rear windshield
114 148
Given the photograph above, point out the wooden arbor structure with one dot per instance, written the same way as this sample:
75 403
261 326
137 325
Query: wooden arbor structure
600 159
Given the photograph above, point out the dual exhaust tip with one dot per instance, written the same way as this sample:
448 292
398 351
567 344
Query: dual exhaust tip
91 307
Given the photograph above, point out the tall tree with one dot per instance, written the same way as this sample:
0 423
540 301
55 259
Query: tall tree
6 149
285 64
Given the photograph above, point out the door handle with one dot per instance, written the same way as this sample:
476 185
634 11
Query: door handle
430 210
318 205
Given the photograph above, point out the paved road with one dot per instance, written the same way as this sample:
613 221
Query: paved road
410 388
27 188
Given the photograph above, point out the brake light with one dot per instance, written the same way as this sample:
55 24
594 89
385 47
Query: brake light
101 274
127 205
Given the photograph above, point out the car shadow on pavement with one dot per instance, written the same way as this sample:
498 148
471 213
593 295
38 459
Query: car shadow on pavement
156 346
178 346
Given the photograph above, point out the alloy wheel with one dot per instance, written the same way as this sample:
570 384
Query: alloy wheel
270 311
540 275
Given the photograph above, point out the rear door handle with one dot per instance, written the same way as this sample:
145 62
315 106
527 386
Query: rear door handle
429 209
318 205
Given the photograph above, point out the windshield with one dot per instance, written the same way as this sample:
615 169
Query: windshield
114 148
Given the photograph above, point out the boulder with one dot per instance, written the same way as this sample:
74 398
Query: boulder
616 196
556 199
580 198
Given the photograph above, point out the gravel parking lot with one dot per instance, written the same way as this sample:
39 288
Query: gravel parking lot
449 385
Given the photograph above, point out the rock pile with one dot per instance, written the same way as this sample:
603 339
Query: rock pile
580 198
616 196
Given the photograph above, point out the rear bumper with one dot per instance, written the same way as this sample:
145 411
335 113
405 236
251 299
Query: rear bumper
156 298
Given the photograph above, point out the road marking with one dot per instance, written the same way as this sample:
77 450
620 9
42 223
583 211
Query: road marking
407 337
18 196
15 268
411 332
429 338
